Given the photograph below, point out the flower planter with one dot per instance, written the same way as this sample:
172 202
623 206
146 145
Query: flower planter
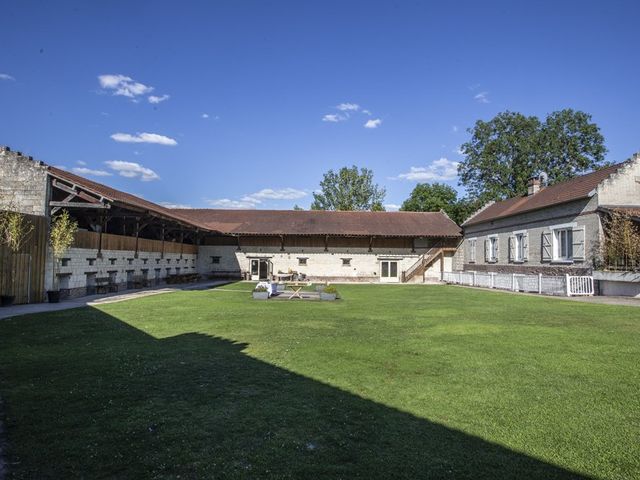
261 295
328 296
6 300
320 287
53 296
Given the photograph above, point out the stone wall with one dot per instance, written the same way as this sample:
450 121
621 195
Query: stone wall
580 214
23 181
79 267
363 266
622 188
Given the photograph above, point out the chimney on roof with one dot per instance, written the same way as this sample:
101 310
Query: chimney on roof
533 186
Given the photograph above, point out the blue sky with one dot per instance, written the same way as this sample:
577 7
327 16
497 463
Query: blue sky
247 103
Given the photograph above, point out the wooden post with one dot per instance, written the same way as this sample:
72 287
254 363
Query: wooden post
162 247
326 243
135 254
371 244
103 226
282 243
413 245
181 242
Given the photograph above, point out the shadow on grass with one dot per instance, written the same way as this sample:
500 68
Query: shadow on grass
89 396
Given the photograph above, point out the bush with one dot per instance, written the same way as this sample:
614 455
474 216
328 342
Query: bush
330 289
260 289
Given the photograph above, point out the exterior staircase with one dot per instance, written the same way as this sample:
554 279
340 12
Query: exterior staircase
424 261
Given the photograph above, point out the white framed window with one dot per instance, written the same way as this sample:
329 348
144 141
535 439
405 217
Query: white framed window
302 261
518 247
471 243
563 244
493 249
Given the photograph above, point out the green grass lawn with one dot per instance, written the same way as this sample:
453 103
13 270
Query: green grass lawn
389 382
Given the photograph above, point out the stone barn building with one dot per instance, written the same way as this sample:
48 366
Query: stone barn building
126 242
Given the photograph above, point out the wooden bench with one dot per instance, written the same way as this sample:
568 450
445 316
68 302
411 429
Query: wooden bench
140 282
105 285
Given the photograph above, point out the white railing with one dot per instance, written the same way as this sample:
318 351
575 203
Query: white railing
579 285
564 285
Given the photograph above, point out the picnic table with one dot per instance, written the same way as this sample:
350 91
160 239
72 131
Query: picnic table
296 288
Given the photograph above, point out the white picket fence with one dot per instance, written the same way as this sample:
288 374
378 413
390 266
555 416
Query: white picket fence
563 285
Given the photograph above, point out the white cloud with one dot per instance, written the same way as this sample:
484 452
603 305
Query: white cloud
81 163
459 150
454 129
205 115
334 117
132 170
174 205
6 76
155 99
90 171
280 194
228 203
482 97
143 137
348 107
253 200
373 123
392 207
123 85
439 170
366 112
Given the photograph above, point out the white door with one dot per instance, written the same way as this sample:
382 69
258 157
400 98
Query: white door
255 269
260 269
389 271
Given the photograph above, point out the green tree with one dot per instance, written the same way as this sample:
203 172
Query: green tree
349 189
431 197
297 207
61 236
434 197
506 151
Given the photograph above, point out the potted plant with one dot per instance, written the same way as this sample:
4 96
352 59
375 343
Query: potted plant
15 229
320 287
260 293
61 236
329 293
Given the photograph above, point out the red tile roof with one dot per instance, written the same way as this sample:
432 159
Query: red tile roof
317 222
122 197
570 190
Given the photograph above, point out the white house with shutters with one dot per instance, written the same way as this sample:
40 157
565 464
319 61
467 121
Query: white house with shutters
553 230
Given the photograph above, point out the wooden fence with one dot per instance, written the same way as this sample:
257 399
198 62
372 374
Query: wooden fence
91 240
22 274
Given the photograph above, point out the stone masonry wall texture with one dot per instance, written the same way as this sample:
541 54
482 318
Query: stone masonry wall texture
23 182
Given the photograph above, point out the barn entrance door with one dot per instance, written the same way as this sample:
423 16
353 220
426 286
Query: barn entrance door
389 271
260 268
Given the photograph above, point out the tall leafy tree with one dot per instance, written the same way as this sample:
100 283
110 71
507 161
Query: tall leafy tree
506 151
349 189
434 197
431 197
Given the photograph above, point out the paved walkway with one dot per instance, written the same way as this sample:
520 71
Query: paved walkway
91 300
